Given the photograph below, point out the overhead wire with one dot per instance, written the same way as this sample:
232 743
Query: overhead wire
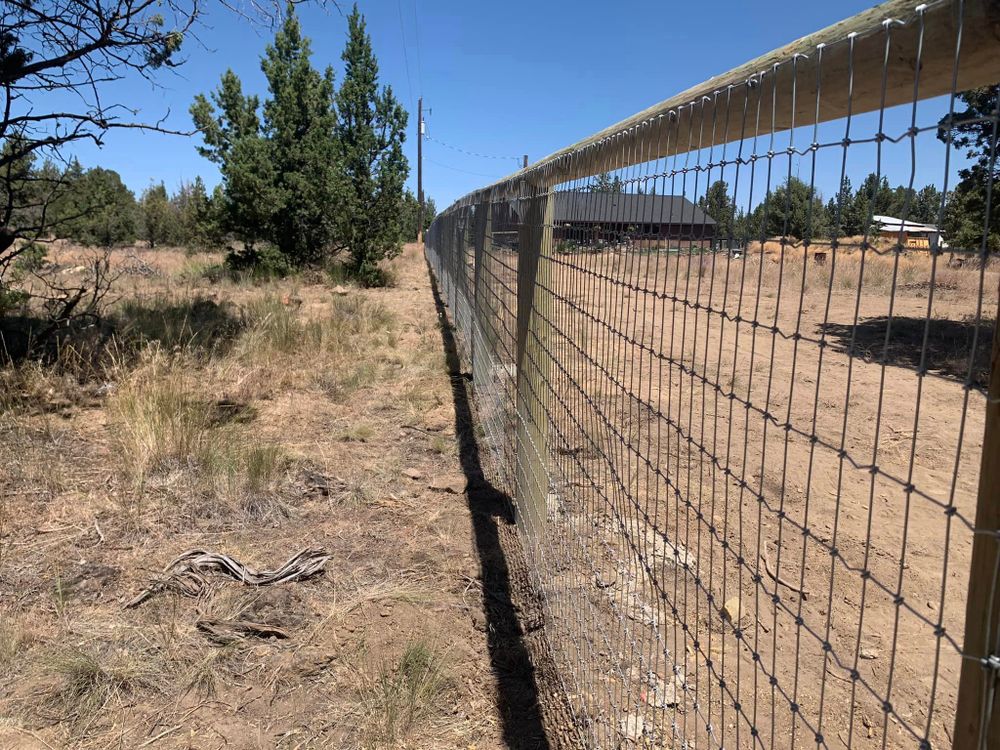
406 58
468 152
458 169
416 33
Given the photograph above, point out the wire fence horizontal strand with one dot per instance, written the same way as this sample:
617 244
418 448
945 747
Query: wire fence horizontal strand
749 422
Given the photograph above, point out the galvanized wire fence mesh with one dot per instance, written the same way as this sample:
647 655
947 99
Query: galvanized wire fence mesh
744 443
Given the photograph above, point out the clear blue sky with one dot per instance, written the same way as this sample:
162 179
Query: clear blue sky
512 78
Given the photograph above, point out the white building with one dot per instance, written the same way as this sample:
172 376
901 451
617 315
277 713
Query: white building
908 233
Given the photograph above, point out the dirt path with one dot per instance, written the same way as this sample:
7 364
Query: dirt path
419 634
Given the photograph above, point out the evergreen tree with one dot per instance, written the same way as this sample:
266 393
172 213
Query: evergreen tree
192 215
842 212
371 128
605 183
230 127
793 210
965 215
874 198
155 214
300 121
104 209
927 205
411 208
281 170
718 204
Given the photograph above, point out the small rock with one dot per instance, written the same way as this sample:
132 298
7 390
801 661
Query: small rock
732 610
658 693
413 473
869 652
479 620
340 290
632 727
452 483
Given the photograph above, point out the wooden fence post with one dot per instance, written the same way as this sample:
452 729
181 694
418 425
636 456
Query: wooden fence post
977 703
534 310
481 324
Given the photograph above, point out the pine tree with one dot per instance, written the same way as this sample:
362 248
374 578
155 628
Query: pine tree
719 205
283 182
371 128
965 216
300 121
154 209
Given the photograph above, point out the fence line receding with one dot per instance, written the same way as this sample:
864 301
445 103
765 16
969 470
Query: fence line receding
748 419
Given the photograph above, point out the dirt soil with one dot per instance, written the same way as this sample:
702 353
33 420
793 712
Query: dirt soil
413 636
760 486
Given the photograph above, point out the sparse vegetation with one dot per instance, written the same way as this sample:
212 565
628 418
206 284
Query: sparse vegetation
401 694
94 679
248 417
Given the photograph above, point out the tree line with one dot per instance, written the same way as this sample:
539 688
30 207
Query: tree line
311 172
967 215
796 209
94 207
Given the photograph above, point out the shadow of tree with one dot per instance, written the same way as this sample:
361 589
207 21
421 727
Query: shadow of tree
493 518
949 348
199 324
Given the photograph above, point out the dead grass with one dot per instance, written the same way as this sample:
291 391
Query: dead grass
251 419
92 679
400 694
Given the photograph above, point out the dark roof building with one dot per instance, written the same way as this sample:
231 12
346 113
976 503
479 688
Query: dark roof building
615 217
576 206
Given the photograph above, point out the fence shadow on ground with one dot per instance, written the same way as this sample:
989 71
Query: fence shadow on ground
491 510
949 344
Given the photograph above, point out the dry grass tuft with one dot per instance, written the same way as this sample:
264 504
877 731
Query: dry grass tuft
90 680
400 695
162 424
157 417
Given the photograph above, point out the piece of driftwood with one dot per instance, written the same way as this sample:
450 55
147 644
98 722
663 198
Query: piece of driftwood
188 573
227 631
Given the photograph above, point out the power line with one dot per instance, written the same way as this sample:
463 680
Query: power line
406 59
456 169
416 33
469 153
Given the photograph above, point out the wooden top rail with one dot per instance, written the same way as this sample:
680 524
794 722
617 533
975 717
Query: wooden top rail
712 113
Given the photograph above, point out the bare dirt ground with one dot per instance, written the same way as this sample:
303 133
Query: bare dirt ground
255 421
761 490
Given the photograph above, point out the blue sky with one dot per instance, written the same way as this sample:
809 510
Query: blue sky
501 79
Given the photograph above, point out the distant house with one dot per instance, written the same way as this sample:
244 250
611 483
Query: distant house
908 233
589 218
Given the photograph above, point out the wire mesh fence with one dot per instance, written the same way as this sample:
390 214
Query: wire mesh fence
743 408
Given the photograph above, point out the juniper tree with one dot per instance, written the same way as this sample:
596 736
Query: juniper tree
371 129
973 130
719 205
230 126
279 163
98 209
155 214
299 125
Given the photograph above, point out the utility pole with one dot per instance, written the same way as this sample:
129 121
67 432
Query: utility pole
420 169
